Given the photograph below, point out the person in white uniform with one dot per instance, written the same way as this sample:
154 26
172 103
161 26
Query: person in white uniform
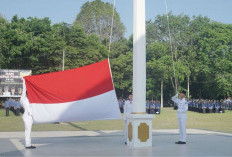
127 111
181 115
27 117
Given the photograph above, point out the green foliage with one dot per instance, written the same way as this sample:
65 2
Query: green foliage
122 71
3 23
36 44
96 17
202 50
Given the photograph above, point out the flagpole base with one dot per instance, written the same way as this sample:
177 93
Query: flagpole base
139 130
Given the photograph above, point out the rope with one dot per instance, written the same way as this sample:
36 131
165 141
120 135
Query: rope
111 30
170 42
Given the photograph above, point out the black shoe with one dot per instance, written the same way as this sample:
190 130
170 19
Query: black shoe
126 143
31 147
180 142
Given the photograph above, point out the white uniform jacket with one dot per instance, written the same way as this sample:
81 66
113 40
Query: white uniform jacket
127 108
182 106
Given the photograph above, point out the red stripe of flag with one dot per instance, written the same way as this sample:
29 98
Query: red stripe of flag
70 85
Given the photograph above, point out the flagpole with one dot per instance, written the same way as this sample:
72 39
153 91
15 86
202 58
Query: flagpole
139 57
139 123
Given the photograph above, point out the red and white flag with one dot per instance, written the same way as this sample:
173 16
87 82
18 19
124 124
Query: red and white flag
81 94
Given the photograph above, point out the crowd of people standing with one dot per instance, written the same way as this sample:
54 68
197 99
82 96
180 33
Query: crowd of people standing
210 106
152 107
14 105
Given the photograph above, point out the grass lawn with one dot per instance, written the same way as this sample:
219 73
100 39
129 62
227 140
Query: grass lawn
166 120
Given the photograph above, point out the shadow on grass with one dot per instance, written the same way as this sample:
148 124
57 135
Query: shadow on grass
76 126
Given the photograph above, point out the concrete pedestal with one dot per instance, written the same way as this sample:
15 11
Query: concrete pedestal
139 130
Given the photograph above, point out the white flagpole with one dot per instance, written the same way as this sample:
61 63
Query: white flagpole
139 57
139 123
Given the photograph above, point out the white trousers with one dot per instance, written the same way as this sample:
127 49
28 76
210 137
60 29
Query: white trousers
182 128
28 125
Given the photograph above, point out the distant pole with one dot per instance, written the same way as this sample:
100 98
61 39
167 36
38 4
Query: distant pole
63 59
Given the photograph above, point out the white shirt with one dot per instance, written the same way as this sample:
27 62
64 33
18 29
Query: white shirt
182 104
127 108
6 93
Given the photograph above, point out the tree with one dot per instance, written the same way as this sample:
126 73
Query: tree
159 70
35 44
122 71
121 61
202 53
83 49
96 17
214 57
179 39
3 28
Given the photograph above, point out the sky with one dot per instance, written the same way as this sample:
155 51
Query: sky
66 10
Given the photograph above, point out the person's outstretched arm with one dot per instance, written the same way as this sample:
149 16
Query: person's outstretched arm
23 96
175 99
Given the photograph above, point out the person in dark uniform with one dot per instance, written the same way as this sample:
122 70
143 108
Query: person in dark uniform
147 107
226 104
189 104
210 106
157 106
230 104
192 105
7 107
223 106
214 105
217 106
12 104
152 107
203 106
120 103
17 107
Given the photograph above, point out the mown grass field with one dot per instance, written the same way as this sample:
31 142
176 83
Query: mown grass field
166 120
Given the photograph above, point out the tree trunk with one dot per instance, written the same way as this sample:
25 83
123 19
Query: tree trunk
188 88
173 85
162 90
176 85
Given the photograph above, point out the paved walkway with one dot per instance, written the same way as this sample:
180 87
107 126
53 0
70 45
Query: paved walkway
110 143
